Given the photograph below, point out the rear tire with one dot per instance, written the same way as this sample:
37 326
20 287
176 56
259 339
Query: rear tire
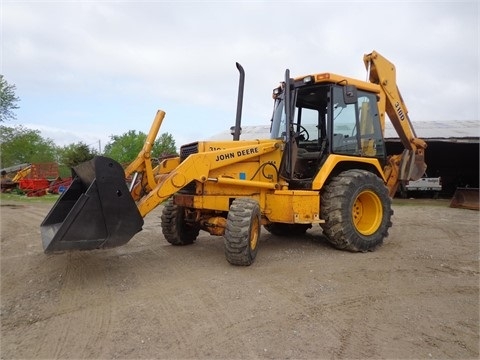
242 232
357 210
174 228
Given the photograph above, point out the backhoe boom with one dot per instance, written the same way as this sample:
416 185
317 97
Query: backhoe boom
197 167
411 164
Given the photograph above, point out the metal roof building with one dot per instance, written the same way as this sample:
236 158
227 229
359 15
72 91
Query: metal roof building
455 131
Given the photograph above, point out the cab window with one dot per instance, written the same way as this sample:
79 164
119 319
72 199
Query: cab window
356 127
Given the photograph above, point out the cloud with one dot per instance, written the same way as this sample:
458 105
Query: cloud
65 136
104 67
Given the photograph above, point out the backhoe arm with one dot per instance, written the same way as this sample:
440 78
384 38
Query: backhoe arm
411 164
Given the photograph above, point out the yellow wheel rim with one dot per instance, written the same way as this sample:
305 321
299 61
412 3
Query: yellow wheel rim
367 212
254 233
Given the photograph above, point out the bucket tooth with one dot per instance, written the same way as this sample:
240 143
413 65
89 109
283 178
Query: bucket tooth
96 211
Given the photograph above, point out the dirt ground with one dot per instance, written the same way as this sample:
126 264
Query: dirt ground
416 297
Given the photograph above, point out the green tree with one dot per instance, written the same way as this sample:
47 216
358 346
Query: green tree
125 148
74 154
164 145
20 145
8 100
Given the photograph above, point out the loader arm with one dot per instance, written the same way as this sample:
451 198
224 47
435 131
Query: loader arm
197 167
410 165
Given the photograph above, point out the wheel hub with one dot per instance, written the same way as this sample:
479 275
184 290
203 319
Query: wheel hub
367 212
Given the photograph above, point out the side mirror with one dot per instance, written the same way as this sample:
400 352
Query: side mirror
350 94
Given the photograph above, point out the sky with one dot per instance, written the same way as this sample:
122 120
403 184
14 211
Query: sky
88 70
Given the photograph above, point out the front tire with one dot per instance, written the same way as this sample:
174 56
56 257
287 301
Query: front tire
242 232
174 227
357 211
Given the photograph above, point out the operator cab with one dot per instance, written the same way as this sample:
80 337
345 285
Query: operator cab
323 118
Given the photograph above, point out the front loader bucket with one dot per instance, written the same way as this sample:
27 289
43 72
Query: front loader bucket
466 198
96 211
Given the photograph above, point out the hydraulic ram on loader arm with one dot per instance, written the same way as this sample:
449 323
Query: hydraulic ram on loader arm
99 211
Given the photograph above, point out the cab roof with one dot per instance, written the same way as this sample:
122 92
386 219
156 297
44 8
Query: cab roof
339 79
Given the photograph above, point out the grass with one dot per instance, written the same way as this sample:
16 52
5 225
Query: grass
11 197
420 202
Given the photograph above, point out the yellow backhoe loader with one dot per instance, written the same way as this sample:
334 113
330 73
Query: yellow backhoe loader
324 163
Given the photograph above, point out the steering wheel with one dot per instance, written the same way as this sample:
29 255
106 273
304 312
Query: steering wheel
304 131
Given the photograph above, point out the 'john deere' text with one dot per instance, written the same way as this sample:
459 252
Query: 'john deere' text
239 153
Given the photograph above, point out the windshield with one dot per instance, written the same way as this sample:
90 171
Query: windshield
278 120
309 114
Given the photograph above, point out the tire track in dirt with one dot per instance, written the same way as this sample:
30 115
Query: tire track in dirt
180 301
240 316
315 300
81 316
322 307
